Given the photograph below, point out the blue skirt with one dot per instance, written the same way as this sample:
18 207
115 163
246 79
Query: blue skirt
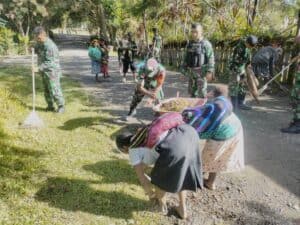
95 67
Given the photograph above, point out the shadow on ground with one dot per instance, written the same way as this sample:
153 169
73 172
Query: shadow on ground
113 171
90 122
77 195
17 166
261 214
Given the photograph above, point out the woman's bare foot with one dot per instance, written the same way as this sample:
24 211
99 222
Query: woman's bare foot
181 212
209 185
163 206
149 191
160 205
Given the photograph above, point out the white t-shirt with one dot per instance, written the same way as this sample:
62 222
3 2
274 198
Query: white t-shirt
145 155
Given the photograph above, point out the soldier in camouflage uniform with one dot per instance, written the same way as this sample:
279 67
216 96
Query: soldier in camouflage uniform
152 76
156 44
49 68
238 62
294 127
198 63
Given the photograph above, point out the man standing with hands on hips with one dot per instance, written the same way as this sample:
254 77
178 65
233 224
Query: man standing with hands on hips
199 62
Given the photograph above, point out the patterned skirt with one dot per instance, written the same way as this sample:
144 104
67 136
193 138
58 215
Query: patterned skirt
224 156
104 68
95 67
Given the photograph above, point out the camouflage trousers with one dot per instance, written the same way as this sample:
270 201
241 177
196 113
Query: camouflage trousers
295 96
237 85
197 86
52 88
138 97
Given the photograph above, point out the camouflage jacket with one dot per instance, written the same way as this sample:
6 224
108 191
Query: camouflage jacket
48 55
200 54
240 58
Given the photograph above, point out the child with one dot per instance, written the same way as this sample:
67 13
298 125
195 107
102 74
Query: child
95 56
105 56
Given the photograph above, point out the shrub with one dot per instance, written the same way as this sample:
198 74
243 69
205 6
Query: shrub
7 45
23 43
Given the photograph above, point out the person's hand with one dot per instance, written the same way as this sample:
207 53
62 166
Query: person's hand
152 95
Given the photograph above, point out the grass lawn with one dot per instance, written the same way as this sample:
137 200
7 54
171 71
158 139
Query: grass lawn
69 171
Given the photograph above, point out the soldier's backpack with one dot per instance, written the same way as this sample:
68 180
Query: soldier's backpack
195 51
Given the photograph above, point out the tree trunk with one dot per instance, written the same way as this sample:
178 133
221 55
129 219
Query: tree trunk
145 28
254 11
26 40
251 12
185 20
298 24
102 22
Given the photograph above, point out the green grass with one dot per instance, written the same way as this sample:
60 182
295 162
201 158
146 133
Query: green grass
67 172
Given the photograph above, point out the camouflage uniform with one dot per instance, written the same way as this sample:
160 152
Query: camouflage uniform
199 59
237 64
149 83
295 95
48 63
294 127
157 44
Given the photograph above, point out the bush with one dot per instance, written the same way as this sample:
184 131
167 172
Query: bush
7 45
23 43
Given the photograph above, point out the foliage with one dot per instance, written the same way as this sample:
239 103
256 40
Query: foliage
22 14
23 43
223 20
6 41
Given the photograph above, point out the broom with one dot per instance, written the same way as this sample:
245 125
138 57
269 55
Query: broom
33 120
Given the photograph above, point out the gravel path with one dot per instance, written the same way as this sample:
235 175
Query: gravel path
266 192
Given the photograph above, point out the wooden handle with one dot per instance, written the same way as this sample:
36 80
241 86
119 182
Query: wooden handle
33 79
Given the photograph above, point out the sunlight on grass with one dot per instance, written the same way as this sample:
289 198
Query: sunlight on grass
66 173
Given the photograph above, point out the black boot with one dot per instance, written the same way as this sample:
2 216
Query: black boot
241 102
50 108
132 112
61 109
294 128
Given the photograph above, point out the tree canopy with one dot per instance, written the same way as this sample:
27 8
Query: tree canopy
112 18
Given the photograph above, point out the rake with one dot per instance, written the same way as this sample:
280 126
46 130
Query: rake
33 120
